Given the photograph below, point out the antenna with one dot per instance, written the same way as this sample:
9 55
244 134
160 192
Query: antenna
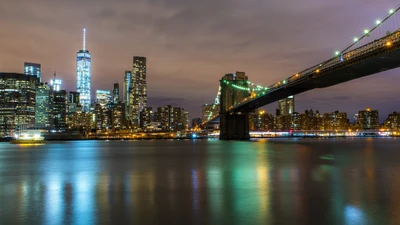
84 39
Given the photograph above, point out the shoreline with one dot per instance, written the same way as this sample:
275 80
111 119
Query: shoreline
199 138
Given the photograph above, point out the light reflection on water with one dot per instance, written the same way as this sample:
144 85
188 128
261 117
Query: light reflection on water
352 181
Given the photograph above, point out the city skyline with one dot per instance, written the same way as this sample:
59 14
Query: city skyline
202 61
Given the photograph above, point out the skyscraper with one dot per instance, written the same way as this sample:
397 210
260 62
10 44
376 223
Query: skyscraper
73 97
126 93
103 97
116 93
43 111
138 90
83 75
127 85
17 105
56 84
286 106
33 69
59 105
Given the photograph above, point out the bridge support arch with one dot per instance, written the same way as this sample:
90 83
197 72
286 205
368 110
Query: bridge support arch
234 126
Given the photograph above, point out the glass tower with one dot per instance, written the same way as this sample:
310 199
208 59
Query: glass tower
138 90
18 101
43 117
103 97
33 69
116 93
83 75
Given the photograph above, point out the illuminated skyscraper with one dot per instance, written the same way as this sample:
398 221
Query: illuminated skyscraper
59 106
138 90
116 93
83 75
33 69
103 97
368 119
286 106
127 85
125 94
43 111
18 100
56 84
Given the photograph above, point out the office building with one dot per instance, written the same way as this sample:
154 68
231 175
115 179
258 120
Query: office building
73 97
59 108
138 90
286 106
127 86
393 121
43 110
311 120
172 118
118 116
56 84
18 102
103 97
83 75
116 93
146 117
33 69
335 121
368 119
126 94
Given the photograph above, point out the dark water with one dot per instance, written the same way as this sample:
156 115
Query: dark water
335 181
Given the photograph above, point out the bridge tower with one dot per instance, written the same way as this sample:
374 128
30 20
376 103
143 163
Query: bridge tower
233 125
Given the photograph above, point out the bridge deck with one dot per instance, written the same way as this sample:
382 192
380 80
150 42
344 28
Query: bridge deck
365 65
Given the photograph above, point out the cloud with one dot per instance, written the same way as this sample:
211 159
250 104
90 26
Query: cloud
191 44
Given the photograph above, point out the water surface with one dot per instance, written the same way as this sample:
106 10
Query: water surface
314 181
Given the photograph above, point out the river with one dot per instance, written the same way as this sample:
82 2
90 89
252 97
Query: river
266 181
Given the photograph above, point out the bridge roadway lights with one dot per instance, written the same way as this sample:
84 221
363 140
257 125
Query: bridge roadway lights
234 126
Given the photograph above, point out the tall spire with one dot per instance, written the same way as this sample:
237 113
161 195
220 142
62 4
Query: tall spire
84 39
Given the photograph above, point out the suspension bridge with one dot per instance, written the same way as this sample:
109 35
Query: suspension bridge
377 50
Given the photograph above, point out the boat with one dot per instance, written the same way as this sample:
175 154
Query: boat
29 137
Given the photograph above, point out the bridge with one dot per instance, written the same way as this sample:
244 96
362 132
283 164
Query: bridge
374 52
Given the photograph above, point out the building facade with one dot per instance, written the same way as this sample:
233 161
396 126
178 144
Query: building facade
286 106
59 106
118 116
83 76
56 84
172 118
43 110
116 93
335 121
103 97
33 69
393 121
368 119
138 90
18 102
146 117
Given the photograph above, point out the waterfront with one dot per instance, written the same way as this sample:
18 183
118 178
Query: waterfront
270 181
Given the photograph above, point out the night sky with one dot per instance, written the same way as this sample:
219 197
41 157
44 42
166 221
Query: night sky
191 44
